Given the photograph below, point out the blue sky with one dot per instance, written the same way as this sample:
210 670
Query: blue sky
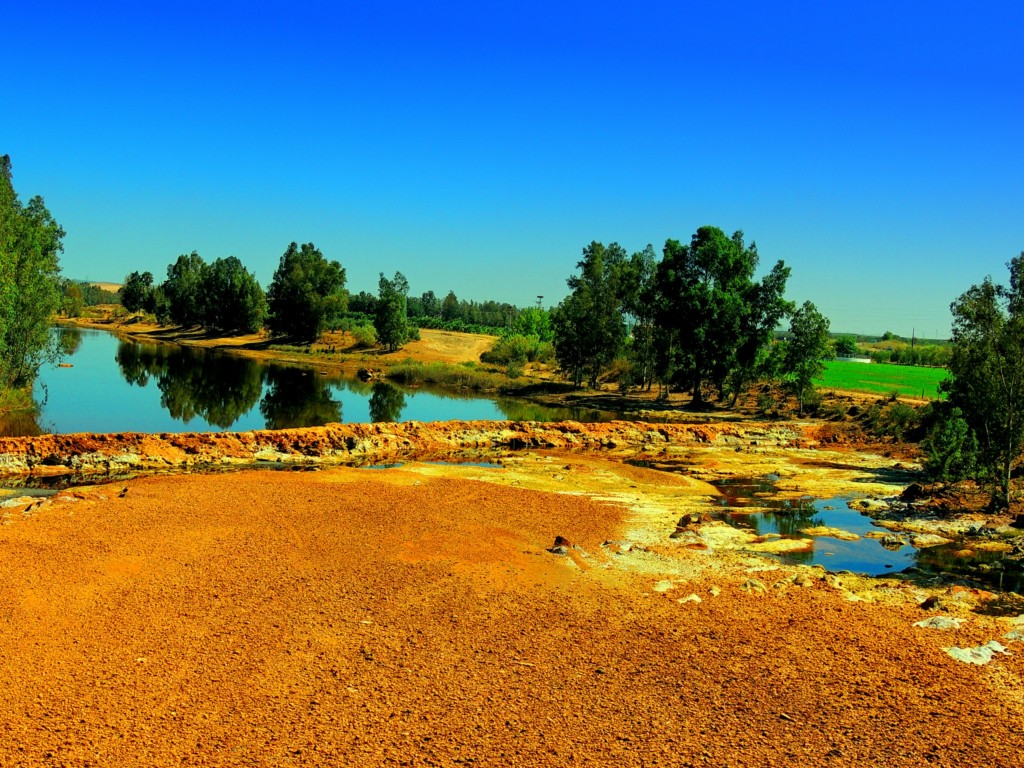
478 147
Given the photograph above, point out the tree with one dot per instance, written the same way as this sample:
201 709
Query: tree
431 304
72 301
987 372
450 306
806 349
234 301
391 321
306 293
639 302
30 243
588 325
137 291
718 322
184 290
846 346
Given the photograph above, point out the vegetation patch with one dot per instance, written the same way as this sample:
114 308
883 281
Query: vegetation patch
411 373
883 378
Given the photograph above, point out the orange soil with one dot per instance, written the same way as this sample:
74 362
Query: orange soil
359 617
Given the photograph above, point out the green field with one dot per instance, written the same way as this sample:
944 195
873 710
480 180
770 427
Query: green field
882 378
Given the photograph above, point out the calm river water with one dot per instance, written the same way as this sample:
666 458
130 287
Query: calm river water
115 385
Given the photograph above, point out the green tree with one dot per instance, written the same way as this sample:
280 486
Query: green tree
390 320
184 290
533 321
846 346
588 325
306 293
806 350
72 301
137 291
640 302
234 301
987 372
717 320
30 243
431 304
450 308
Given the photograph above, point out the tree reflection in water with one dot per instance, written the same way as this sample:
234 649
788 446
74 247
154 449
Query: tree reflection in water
386 402
298 398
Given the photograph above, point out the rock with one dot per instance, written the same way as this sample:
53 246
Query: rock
928 603
981 654
925 540
692 598
940 622
868 505
714 591
754 586
834 533
561 546
1015 634
803 580
913 492
663 586
893 542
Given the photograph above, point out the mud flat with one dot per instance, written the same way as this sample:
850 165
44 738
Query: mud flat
422 614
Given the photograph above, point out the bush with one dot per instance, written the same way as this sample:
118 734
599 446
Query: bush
365 336
896 419
951 448
519 349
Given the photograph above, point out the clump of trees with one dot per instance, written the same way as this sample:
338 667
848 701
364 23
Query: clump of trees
981 431
696 320
31 241
222 296
306 294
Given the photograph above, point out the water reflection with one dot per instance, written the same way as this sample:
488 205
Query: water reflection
386 402
297 398
115 385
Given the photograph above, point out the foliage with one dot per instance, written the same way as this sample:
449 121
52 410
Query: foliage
441 374
306 293
184 290
535 322
588 325
951 448
386 402
137 291
30 243
719 321
805 350
391 320
365 336
846 346
233 301
882 378
987 372
71 301
519 350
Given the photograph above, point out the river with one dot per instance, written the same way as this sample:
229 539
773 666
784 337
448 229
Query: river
108 384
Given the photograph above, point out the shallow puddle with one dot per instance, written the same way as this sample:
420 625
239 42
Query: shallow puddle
752 504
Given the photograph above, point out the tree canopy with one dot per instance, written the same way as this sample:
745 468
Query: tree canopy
390 320
987 372
30 243
306 293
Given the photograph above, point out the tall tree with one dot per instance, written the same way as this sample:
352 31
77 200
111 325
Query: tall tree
30 243
987 372
137 291
806 350
306 293
588 325
184 290
391 320
234 301
715 316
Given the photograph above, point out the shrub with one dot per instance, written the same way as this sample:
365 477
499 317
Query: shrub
951 448
365 336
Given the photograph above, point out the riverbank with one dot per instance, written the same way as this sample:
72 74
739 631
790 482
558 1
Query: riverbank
422 614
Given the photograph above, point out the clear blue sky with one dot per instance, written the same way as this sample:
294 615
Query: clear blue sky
877 148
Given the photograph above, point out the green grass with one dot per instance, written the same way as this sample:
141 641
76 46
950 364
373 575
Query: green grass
883 378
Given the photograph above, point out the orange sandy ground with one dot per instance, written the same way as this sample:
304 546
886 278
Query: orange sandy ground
361 617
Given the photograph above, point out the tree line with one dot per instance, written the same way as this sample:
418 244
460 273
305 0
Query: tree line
695 320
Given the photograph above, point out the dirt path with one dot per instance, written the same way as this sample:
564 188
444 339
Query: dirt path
414 617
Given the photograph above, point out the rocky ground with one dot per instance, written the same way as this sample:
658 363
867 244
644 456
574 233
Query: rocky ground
533 609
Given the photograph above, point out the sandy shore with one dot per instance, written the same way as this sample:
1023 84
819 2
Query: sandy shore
414 616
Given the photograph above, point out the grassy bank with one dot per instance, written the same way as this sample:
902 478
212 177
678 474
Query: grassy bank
883 378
